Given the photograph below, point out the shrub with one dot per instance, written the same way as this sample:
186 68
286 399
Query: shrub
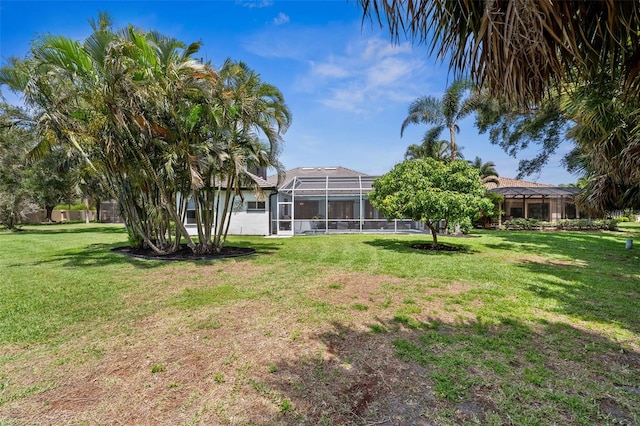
521 223
564 224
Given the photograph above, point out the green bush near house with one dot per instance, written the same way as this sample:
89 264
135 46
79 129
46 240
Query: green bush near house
520 224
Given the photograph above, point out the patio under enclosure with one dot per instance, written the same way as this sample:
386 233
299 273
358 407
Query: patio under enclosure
330 204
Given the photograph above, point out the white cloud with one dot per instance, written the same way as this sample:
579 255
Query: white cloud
281 19
329 70
254 3
367 76
346 99
346 71
389 71
376 48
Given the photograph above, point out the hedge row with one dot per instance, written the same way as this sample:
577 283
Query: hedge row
564 224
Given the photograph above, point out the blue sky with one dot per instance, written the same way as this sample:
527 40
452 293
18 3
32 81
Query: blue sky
347 85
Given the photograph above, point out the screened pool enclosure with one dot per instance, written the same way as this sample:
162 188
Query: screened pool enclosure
330 204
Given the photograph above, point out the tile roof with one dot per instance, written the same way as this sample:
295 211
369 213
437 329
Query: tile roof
335 171
515 183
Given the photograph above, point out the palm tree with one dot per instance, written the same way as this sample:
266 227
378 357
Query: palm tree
521 48
117 95
488 172
249 109
430 147
443 113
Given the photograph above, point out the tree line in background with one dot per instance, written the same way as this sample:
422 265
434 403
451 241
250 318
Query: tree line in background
158 128
551 72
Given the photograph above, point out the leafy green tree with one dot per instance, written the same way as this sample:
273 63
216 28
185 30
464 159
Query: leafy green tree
554 64
601 127
52 180
16 136
427 190
444 113
515 130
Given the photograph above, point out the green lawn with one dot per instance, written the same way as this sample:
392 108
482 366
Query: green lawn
520 328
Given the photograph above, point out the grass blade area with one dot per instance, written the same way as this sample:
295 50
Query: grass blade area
519 328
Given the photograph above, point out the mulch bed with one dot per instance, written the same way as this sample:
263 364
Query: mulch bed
184 253
437 247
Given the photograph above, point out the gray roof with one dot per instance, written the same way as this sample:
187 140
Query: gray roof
262 183
299 172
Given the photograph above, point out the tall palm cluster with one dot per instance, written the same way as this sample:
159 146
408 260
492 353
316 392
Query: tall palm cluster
158 126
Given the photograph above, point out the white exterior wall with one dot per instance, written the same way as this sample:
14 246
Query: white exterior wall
243 222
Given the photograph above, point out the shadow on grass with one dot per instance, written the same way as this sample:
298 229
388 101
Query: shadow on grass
588 275
102 255
98 255
577 245
614 299
261 246
465 373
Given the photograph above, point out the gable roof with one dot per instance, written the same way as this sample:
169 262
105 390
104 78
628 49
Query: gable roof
335 171
262 183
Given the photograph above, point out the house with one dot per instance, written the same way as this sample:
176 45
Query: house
532 200
251 212
313 200
309 200
328 200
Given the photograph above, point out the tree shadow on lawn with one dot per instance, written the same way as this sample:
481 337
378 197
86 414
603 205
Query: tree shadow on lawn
434 372
261 247
406 246
99 255
612 300
591 276
578 245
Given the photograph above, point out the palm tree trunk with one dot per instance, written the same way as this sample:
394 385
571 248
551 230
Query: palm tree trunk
454 149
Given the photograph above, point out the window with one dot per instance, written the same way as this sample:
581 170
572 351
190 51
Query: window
191 217
256 206
539 211
516 212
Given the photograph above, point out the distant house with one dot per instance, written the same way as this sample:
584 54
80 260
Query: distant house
250 214
532 200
